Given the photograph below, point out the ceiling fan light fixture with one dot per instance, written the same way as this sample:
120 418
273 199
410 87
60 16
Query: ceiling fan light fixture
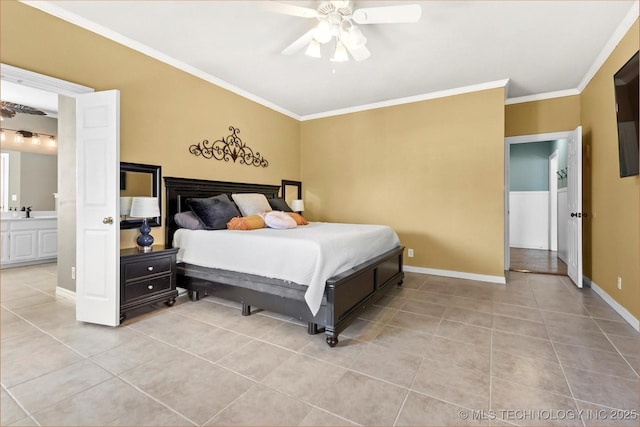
322 32
313 50
340 54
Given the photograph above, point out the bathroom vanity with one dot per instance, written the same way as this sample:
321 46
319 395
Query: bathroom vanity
28 241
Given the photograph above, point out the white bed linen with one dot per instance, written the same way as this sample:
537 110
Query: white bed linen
307 255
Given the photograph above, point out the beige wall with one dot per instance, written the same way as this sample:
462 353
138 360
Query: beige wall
546 116
432 170
163 110
612 234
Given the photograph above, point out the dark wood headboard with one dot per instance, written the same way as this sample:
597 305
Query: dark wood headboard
178 190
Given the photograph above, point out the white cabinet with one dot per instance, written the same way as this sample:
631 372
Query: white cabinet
22 245
47 243
28 241
5 247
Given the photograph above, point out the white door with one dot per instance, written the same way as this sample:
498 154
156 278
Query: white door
574 204
97 223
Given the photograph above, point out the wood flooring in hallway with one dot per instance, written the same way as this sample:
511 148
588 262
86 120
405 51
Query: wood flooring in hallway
536 261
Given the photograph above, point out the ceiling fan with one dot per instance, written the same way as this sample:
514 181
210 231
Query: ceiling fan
9 110
337 21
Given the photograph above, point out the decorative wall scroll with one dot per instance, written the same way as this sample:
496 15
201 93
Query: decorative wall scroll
228 148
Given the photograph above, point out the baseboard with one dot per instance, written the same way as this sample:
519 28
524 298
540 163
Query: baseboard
613 304
562 257
526 246
65 293
456 274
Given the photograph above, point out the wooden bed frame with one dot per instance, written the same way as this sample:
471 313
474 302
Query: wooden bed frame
346 294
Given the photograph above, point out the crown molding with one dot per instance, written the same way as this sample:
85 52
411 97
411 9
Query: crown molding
410 99
630 18
40 81
542 96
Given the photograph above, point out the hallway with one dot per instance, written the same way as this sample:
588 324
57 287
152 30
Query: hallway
536 261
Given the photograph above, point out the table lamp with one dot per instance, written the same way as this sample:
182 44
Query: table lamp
297 205
144 207
125 207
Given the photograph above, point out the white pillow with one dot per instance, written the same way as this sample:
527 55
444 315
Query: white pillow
279 220
251 203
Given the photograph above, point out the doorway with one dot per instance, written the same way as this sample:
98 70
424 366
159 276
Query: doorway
57 98
535 204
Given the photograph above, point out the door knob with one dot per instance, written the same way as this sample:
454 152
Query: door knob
573 215
108 220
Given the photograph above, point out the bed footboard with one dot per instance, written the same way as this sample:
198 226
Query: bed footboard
349 293
346 295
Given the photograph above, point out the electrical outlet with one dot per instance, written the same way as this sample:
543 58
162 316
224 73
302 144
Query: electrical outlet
619 282
73 273
410 253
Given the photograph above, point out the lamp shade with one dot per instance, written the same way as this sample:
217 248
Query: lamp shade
297 205
125 205
144 207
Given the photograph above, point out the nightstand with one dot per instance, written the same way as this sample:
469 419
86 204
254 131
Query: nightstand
147 278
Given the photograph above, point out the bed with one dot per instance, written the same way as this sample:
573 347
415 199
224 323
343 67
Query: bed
343 297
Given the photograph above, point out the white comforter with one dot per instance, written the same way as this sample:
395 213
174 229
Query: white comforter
307 255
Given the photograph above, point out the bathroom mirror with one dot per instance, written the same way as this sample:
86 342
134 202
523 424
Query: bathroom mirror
138 180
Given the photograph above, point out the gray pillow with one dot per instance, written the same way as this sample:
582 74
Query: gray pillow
214 212
188 220
279 204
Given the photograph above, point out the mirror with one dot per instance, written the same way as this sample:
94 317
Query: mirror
19 188
29 152
291 190
137 180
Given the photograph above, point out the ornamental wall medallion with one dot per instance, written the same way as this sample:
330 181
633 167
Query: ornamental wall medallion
228 148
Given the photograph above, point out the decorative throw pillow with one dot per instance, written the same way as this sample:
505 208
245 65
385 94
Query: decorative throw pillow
188 220
252 222
279 204
279 220
299 219
251 203
214 212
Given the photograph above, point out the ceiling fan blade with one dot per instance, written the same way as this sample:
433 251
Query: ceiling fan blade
299 44
289 9
388 14
359 54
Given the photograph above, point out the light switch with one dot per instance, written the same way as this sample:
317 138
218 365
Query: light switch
14 197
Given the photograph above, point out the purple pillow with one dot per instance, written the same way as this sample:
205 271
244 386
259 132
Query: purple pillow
188 220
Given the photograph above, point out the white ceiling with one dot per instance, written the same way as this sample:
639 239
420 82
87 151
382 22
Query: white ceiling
540 46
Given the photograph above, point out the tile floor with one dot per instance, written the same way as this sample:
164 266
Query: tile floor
437 351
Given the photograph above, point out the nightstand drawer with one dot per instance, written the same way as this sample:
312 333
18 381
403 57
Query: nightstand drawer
145 288
147 267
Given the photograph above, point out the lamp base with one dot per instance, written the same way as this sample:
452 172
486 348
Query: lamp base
145 240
